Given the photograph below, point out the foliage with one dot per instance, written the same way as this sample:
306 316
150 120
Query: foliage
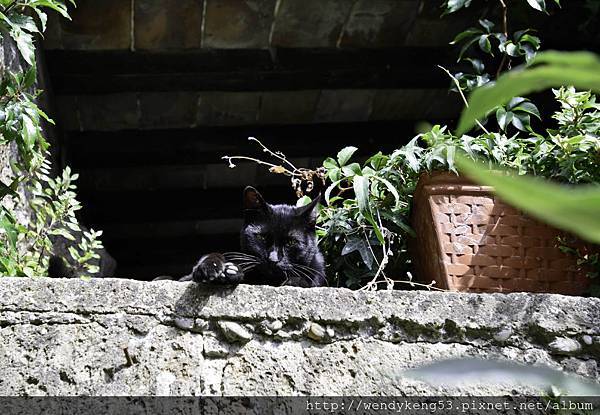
363 223
25 248
577 139
569 153
16 20
490 49
364 217
547 70
20 116
572 209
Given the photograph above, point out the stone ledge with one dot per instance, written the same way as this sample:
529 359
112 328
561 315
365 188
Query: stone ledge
125 337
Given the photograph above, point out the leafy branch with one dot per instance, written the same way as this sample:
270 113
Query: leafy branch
26 246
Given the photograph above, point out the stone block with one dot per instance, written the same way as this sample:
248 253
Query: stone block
68 112
168 24
228 108
310 23
401 104
163 110
97 24
108 112
429 29
379 23
288 107
237 24
344 105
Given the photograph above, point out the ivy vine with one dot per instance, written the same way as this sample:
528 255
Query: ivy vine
26 245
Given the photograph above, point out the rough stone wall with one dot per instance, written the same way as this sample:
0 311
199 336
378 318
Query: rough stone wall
125 337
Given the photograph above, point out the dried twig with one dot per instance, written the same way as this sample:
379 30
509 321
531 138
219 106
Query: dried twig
460 91
298 175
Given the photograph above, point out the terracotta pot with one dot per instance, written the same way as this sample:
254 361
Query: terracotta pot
469 240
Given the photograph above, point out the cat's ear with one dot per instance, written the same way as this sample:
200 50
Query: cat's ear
253 200
309 212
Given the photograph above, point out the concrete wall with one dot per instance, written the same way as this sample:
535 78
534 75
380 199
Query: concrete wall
124 337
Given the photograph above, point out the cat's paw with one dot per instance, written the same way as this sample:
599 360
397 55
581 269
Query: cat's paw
213 268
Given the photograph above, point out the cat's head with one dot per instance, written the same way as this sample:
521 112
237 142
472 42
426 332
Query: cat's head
281 237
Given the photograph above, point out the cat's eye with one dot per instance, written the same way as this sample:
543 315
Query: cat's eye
262 237
291 243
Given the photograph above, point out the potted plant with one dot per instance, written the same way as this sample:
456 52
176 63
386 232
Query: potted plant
469 239
462 236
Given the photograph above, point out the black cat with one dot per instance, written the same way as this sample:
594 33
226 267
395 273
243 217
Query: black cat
278 247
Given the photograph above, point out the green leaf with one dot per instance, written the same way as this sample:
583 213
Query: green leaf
477 65
511 49
352 170
360 245
487 25
361 189
533 40
522 122
503 117
397 220
345 154
8 224
530 108
485 45
553 69
466 46
378 161
29 272
330 163
24 44
390 188
29 131
571 209
539 5
62 232
58 7
466 34
454 5
9 190
329 190
26 23
303 201
43 18
334 174
30 77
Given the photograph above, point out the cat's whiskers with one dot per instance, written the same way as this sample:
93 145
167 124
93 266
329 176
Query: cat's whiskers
239 255
301 273
285 274
246 265
311 272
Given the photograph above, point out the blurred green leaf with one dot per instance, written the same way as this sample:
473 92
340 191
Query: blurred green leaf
549 69
576 210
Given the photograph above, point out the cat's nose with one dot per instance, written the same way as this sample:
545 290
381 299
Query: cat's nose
274 256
